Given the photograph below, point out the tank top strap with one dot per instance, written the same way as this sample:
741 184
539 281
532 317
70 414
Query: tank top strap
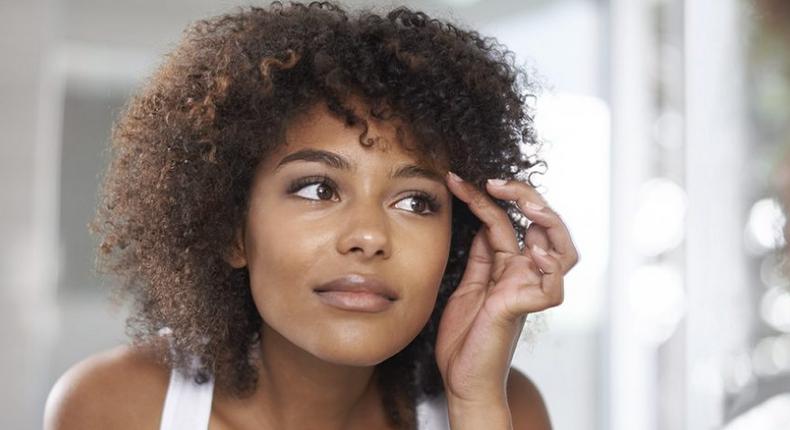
187 404
432 414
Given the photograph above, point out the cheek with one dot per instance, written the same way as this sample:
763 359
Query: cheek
428 250
279 242
287 255
280 257
425 261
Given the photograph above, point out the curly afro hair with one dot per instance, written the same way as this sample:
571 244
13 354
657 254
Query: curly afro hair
186 146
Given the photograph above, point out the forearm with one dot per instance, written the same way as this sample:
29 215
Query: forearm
493 415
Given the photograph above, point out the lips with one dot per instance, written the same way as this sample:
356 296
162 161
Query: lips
357 293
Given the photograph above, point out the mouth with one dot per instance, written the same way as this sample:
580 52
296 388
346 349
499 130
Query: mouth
357 293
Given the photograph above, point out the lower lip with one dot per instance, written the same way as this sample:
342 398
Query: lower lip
355 301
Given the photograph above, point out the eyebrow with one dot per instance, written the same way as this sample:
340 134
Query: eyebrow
337 161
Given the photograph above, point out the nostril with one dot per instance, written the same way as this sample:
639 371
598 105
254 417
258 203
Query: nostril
357 249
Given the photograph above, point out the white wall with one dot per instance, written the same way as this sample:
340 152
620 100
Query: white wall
28 167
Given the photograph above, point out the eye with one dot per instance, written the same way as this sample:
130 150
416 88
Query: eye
321 188
313 188
419 203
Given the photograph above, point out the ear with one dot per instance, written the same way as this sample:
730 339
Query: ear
236 254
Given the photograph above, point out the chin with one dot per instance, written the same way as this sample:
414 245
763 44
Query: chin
357 349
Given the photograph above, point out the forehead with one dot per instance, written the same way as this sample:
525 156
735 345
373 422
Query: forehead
320 128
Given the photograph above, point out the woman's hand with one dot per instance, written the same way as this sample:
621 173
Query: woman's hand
482 322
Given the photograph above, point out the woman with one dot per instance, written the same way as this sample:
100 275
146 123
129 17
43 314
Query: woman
282 207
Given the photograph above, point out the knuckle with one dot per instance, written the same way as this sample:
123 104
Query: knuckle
559 297
572 260
480 258
478 201
518 259
553 221
558 294
536 229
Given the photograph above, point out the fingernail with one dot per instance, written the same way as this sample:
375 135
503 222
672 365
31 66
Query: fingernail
533 206
538 250
454 177
497 182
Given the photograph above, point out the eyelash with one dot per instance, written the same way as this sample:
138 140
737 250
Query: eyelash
430 200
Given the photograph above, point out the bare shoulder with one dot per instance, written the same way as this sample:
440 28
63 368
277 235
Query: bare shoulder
527 408
122 388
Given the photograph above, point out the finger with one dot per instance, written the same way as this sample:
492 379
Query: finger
534 207
552 280
499 229
530 193
536 235
532 296
478 266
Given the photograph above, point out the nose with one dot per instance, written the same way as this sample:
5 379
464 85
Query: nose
365 232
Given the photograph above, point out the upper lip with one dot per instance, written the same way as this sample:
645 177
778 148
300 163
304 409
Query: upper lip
358 283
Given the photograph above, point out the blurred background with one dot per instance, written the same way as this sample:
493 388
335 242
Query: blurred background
665 125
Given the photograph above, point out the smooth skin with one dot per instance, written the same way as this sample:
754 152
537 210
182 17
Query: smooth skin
335 210
367 223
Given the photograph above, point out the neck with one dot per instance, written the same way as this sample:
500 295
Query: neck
299 390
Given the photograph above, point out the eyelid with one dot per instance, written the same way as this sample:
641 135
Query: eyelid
300 183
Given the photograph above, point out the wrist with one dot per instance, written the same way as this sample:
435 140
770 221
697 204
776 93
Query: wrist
489 413
474 396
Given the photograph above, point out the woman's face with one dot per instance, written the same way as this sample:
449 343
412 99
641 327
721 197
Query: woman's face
375 219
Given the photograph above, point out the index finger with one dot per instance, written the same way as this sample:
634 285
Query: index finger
500 231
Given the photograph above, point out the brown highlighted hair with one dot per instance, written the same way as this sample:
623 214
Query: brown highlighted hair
186 146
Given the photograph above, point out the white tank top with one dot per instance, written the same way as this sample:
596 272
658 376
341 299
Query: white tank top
188 407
